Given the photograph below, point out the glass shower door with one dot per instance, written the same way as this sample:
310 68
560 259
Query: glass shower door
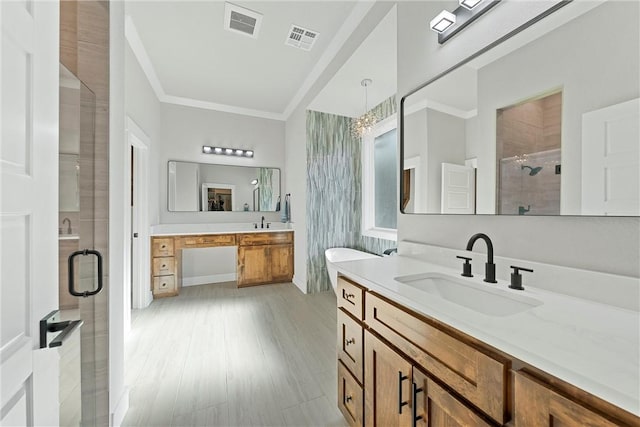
80 268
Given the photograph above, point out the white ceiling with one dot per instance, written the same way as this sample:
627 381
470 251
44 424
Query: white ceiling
190 59
376 59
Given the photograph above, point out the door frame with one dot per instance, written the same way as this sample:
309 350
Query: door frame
141 249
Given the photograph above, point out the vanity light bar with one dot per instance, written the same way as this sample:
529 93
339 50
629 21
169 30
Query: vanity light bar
206 149
447 24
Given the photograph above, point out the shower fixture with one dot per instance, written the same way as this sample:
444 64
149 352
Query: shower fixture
533 171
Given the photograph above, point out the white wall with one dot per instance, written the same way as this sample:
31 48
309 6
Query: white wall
185 130
296 137
143 107
595 243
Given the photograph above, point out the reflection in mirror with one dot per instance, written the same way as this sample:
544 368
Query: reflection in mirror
76 130
544 123
216 188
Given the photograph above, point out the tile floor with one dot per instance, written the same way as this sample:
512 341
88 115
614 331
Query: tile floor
221 356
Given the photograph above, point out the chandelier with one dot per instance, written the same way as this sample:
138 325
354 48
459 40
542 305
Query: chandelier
362 125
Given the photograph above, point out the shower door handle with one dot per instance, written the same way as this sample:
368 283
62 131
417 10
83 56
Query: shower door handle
72 282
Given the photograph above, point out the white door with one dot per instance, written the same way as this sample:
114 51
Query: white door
611 160
458 189
28 209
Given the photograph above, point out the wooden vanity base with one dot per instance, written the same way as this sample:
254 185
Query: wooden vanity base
262 258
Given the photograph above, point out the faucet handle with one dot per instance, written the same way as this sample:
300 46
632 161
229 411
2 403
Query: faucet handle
255 225
466 267
516 277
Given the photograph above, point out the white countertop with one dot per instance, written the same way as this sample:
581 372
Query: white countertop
593 346
217 228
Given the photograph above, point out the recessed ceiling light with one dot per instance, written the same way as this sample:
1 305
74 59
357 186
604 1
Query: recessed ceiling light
469 4
443 21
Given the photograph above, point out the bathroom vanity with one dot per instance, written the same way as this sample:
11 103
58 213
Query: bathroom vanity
264 256
413 355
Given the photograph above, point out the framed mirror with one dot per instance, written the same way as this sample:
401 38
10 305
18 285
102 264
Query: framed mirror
545 121
205 187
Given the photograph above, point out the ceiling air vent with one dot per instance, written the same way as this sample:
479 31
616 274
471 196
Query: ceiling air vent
241 20
301 37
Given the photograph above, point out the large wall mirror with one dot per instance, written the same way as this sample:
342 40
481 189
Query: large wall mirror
202 187
546 122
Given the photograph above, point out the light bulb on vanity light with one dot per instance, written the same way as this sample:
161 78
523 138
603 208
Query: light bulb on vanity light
217 150
442 21
469 4
248 153
239 152
228 151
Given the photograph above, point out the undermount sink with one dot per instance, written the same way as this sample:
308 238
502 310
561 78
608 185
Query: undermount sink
475 296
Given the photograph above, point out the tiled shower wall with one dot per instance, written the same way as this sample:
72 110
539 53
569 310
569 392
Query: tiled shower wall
334 191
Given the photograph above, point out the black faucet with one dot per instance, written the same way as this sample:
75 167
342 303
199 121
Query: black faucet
262 222
490 267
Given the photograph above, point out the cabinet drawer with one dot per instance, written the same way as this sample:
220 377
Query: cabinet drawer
209 240
163 266
351 297
162 246
164 285
350 344
478 377
537 405
265 238
349 397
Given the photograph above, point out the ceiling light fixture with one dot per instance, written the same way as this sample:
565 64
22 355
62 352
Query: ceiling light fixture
448 24
238 152
362 125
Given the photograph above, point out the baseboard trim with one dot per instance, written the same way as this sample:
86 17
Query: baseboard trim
121 409
300 285
203 280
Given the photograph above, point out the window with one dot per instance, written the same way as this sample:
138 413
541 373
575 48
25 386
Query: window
380 180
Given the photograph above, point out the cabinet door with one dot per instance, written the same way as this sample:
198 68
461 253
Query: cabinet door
387 385
281 262
253 265
536 405
434 406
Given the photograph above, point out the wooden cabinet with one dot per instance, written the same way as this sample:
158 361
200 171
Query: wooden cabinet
398 393
163 267
262 258
265 258
350 397
477 376
419 371
351 354
387 385
435 406
538 405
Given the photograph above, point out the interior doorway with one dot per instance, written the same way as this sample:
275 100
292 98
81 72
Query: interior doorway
138 294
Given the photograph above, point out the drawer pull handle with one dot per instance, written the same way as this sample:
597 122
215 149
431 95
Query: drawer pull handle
164 265
348 296
348 398
163 246
414 410
401 378
350 341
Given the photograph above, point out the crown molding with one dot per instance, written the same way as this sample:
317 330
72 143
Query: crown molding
354 19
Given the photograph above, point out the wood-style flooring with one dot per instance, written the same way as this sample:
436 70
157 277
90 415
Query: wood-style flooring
221 356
